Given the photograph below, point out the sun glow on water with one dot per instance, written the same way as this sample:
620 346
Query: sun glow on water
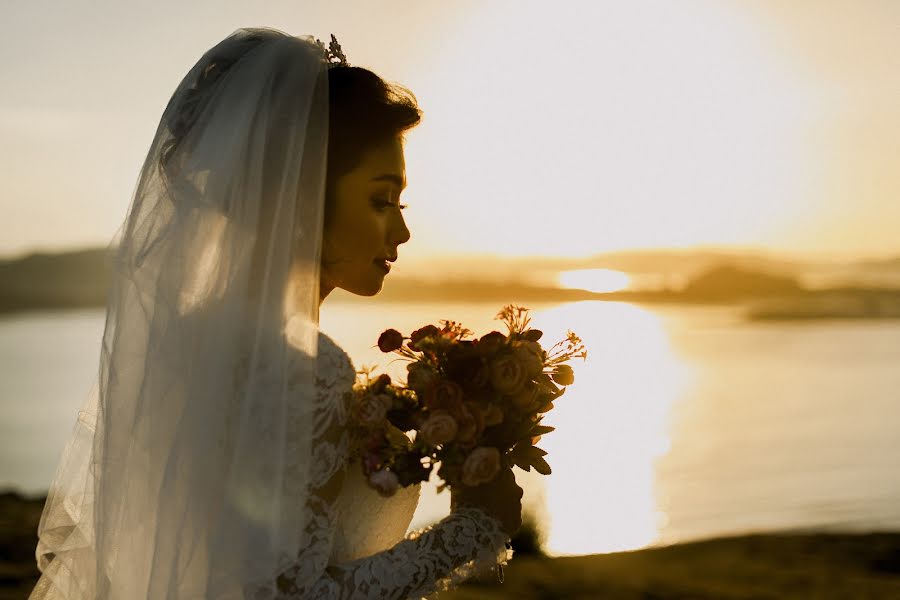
612 427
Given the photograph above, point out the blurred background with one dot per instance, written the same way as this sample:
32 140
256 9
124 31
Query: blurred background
707 192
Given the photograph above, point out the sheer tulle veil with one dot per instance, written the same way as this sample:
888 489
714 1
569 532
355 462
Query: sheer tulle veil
174 482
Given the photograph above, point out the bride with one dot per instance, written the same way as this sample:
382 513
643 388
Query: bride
211 457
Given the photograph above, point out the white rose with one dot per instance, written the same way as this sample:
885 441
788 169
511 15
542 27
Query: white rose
384 482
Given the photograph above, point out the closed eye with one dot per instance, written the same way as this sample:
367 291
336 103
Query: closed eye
382 204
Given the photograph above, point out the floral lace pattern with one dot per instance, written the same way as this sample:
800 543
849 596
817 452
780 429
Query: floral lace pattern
434 559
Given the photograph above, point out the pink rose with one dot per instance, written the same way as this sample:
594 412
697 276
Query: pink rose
490 343
385 400
471 423
481 466
384 482
447 396
371 410
371 462
508 374
429 331
439 428
420 377
381 382
390 340
481 378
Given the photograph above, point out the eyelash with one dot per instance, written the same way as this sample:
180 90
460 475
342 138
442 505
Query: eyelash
385 204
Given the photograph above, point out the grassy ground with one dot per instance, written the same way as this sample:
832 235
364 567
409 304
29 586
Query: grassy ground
853 566
756 566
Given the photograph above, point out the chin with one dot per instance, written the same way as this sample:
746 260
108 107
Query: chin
367 288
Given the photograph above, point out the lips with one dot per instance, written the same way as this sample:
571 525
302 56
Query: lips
383 264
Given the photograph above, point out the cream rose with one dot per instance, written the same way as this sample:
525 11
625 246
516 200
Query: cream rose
507 374
526 398
481 466
530 355
439 428
384 482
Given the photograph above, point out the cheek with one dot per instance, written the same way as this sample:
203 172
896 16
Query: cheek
358 235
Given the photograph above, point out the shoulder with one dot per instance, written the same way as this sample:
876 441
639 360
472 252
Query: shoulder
332 362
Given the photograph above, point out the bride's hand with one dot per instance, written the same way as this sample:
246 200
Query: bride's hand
501 498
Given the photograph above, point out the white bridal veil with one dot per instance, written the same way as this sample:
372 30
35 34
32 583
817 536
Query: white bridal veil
176 482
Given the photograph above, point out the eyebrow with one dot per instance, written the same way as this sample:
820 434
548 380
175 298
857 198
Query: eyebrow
395 179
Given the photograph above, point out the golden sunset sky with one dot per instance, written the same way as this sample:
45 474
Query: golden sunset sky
553 129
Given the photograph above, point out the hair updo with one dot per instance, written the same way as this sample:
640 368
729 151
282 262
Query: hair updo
198 93
364 111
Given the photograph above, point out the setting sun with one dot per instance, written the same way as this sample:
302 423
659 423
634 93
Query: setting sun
595 280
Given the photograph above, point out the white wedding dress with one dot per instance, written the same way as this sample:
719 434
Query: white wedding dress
359 547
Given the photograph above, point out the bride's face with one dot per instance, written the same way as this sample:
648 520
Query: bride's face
366 224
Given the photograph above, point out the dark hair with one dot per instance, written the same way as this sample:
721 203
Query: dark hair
364 110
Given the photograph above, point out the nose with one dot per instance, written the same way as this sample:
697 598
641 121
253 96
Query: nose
400 232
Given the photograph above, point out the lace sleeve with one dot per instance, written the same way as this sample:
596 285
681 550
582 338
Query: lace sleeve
434 559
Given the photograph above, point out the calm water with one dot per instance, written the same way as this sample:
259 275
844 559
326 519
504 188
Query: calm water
683 423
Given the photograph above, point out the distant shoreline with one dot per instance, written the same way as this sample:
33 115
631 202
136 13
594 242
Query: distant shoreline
853 303
81 279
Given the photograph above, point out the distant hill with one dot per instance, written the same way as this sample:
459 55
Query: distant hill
727 282
885 263
683 262
65 280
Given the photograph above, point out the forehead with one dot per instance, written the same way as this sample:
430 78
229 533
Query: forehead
385 158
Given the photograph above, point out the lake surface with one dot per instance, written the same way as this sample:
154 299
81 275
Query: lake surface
683 423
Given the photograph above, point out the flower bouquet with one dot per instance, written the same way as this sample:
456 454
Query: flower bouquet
471 406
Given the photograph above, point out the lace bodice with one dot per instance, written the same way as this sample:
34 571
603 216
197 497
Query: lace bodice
357 547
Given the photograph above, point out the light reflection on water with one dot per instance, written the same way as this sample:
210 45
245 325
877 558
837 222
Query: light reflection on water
611 427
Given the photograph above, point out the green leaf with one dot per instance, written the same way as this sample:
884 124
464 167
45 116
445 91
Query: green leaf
522 430
541 429
548 407
523 463
540 465
535 451
518 450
